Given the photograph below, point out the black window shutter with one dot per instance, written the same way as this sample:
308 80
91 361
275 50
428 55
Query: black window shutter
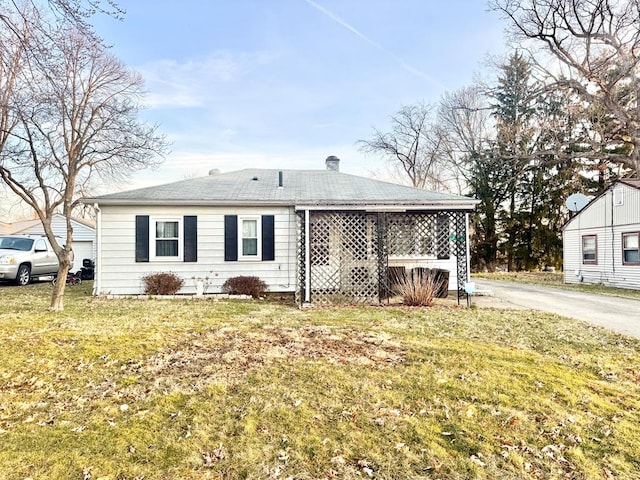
230 238
268 243
142 238
190 226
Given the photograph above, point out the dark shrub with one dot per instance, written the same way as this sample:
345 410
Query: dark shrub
245 286
162 283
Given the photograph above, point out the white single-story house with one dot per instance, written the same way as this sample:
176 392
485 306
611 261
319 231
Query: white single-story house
321 234
84 234
600 243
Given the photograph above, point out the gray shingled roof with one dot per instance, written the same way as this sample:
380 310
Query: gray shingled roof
300 187
632 182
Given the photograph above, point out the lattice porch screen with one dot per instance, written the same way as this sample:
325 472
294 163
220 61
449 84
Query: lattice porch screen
349 251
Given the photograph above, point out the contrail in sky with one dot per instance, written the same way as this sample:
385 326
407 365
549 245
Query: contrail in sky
409 68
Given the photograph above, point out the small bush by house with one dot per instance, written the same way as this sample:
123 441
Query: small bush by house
244 285
162 283
419 290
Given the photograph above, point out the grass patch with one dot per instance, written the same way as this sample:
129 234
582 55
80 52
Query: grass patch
157 389
557 280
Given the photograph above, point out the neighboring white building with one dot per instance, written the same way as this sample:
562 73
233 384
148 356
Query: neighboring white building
325 235
84 234
601 242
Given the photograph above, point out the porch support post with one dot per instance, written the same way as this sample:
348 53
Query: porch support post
466 236
461 247
307 258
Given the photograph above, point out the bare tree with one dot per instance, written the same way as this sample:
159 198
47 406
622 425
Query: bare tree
466 124
596 46
413 146
469 129
70 119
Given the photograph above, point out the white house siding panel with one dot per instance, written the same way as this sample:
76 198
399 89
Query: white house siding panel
120 274
608 223
629 212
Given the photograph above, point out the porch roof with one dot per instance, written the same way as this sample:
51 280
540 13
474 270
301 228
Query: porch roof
309 188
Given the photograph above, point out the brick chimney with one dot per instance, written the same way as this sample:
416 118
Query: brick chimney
332 163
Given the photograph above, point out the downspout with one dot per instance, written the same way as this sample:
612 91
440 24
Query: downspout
307 258
613 247
97 284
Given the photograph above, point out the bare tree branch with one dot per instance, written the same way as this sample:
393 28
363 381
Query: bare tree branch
596 44
413 145
68 117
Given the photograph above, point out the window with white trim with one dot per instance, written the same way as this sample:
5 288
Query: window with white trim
631 248
249 244
589 249
167 241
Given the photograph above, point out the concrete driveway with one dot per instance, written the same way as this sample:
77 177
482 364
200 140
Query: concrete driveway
615 313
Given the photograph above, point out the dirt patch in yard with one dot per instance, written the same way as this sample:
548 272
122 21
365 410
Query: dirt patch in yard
223 356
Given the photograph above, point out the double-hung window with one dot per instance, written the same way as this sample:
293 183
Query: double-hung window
630 248
166 238
589 249
167 243
249 239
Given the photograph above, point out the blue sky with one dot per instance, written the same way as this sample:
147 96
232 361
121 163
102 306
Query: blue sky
285 83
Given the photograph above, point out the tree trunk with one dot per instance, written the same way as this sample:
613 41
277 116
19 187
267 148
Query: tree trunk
57 296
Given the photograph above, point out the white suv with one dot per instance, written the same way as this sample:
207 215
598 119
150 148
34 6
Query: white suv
23 258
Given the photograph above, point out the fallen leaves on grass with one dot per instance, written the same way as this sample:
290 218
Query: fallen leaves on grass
211 457
224 355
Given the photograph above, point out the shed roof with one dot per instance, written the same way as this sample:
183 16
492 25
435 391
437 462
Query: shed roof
313 188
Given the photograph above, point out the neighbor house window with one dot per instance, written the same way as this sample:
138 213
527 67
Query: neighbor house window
166 242
589 249
630 249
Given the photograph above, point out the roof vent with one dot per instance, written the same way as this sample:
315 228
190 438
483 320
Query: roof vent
214 171
332 163
280 180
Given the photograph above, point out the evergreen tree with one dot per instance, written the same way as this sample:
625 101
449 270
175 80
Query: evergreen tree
514 110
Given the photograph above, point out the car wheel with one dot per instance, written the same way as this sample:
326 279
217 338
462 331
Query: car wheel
24 275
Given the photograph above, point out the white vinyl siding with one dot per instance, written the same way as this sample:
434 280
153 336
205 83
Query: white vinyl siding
609 222
121 275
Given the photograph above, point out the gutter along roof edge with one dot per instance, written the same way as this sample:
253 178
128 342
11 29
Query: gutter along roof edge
389 205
